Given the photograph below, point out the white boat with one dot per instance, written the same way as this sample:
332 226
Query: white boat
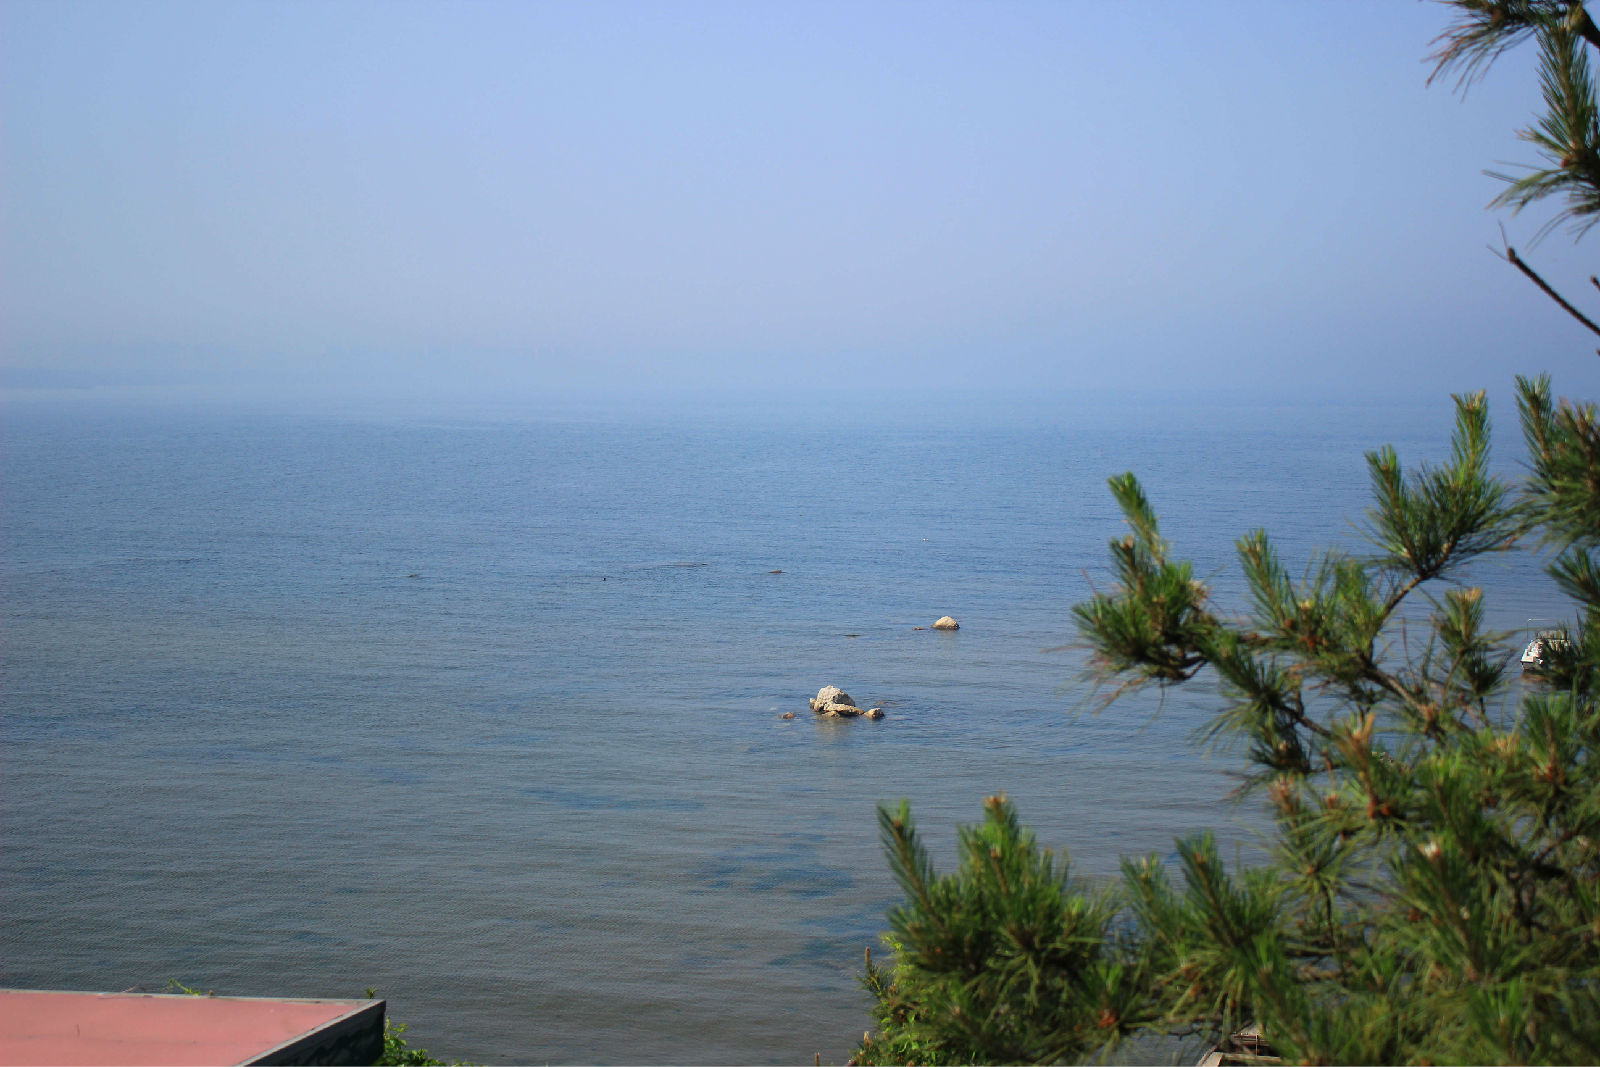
1534 657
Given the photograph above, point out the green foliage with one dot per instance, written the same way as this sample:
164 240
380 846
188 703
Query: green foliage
1005 961
1432 892
396 1053
175 986
1156 635
900 1037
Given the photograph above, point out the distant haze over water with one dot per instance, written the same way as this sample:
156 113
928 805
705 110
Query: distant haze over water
483 708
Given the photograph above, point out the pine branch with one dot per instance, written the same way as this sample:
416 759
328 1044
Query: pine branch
1488 28
1567 136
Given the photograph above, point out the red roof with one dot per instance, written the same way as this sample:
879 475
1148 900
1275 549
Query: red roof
51 1028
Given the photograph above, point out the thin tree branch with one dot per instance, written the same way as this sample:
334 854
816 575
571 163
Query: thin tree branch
1510 256
1586 28
1298 716
1403 591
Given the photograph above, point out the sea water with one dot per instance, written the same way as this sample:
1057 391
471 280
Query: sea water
485 710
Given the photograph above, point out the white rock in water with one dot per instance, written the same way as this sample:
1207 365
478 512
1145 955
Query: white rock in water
874 713
947 623
830 694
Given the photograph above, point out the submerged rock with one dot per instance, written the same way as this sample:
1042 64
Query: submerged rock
843 711
947 623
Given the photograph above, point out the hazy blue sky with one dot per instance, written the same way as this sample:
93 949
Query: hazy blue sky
516 197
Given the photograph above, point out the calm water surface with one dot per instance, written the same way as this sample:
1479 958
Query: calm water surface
485 712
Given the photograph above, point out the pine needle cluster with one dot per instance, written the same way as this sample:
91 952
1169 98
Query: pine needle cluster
1567 135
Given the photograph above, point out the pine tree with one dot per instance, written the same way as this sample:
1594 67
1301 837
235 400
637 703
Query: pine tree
1433 894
